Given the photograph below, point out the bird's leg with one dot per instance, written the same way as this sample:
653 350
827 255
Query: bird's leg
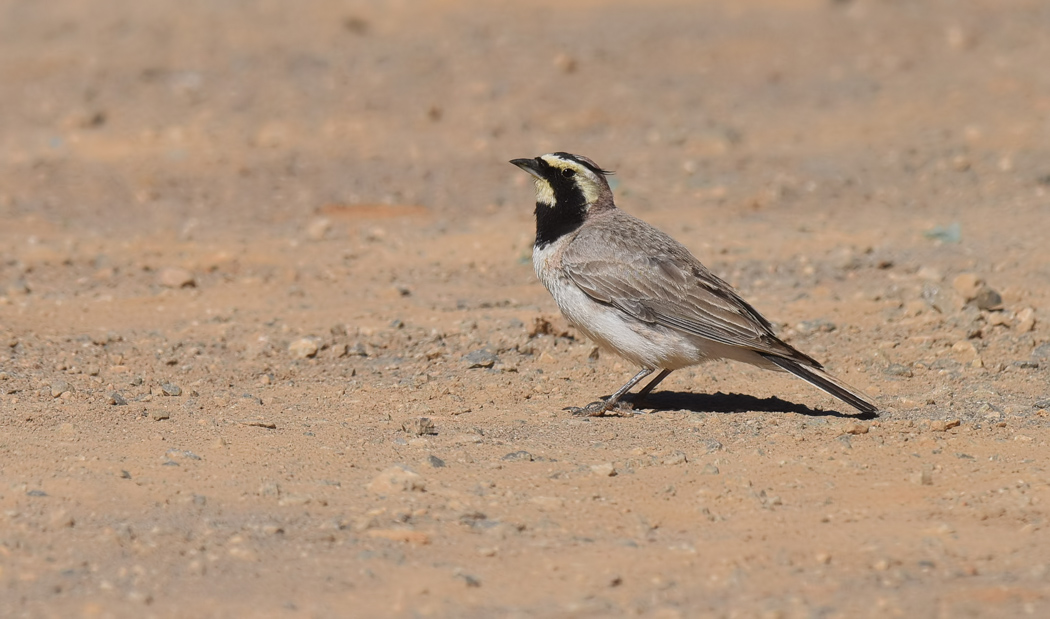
598 409
638 399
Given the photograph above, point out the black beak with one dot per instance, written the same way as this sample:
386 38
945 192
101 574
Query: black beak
531 166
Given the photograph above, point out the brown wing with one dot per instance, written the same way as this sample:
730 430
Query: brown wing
658 281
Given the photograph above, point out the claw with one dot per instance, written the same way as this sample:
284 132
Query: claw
601 409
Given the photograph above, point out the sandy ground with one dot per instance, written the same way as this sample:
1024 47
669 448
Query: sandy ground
271 344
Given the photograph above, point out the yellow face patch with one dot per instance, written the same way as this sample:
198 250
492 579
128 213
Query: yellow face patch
585 179
544 192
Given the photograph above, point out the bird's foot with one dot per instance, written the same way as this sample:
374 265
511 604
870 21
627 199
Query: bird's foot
602 408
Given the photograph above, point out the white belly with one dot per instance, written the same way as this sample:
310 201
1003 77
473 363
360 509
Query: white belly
643 344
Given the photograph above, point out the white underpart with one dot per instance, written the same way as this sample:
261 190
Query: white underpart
645 345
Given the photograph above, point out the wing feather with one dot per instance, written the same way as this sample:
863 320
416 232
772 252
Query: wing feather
662 283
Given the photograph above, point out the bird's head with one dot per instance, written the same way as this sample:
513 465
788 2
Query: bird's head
568 189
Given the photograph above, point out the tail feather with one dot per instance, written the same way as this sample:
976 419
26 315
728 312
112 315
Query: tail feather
826 382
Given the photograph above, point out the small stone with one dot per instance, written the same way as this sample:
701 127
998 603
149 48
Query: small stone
318 228
397 478
435 462
61 519
856 428
518 456
159 414
422 426
115 399
674 458
169 389
176 278
952 233
408 536
819 325
897 369
1025 320
304 348
988 299
710 469
711 445
59 387
964 351
941 299
480 359
967 285
605 469
1042 352
470 580
565 63
548 503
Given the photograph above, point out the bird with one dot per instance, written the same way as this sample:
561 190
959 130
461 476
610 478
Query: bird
636 291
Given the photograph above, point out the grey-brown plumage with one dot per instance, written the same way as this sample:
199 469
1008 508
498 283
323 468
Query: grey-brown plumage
638 292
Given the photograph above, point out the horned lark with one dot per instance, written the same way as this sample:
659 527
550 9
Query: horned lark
638 292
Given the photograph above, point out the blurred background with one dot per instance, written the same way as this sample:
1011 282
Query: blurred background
222 115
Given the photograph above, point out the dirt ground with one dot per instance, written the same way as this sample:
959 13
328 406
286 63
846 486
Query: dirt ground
271 344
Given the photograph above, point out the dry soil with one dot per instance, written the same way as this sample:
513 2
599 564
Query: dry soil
271 344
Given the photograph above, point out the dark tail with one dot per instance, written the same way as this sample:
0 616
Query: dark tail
827 383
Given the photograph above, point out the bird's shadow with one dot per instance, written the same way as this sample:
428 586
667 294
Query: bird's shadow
732 403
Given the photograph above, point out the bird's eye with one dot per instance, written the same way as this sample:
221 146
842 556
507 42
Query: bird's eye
568 172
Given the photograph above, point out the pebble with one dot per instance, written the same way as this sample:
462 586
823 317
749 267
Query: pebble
318 228
988 299
435 462
422 426
480 359
897 369
674 458
952 233
967 285
176 278
938 425
115 399
408 536
515 456
819 325
61 519
59 387
397 478
169 389
304 348
1025 320
158 414
548 503
856 428
711 445
710 469
941 299
469 579
964 351
606 469
565 63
